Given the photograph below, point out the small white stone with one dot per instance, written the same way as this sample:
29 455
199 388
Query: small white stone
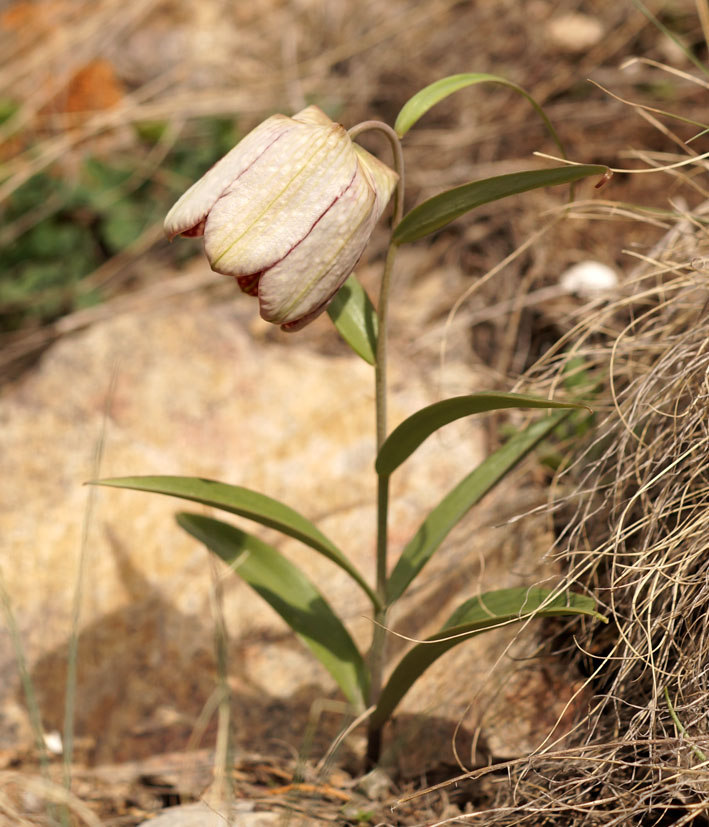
376 785
589 279
575 32
53 742
203 815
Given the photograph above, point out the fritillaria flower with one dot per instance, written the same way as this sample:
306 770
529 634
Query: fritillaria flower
288 213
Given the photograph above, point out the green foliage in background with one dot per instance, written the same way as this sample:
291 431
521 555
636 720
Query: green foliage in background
58 228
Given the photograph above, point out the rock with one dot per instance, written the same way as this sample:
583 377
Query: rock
575 32
205 815
186 389
376 785
589 279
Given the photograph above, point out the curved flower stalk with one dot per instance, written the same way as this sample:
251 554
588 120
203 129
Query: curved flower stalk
288 213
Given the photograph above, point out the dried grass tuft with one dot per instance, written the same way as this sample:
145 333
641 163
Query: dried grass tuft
635 533
631 517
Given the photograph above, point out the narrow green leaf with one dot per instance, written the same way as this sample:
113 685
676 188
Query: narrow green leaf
284 587
687 52
407 437
246 503
471 618
355 318
461 499
447 206
429 96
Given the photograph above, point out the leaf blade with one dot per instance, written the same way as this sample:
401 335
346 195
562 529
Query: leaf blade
355 319
445 207
461 499
287 590
245 503
412 432
430 95
472 618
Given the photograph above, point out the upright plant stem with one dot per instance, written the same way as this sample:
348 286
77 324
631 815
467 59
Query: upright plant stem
377 652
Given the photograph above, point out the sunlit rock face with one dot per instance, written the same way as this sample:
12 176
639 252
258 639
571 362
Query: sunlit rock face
186 388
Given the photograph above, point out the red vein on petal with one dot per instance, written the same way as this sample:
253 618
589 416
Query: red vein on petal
249 283
197 229
314 224
300 172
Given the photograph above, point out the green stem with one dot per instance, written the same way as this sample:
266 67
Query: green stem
377 652
700 755
393 138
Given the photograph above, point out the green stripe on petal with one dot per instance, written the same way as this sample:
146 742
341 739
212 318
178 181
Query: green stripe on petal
194 206
276 202
314 270
383 178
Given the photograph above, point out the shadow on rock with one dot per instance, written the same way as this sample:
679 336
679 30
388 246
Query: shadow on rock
146 672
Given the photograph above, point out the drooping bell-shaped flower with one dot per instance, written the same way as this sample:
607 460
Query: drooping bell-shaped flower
288 213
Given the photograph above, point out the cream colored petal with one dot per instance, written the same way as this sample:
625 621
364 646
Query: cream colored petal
192 208
303 283
313 115
382 178
276 202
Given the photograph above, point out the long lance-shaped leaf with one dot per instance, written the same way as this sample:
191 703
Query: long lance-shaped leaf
246 503
471 618
355 318
429 96
407 437
284 587
461 499
447 206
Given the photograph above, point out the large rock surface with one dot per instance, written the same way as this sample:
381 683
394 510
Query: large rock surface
202 389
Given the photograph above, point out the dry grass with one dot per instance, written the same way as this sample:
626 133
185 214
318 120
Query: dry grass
632 521
639 539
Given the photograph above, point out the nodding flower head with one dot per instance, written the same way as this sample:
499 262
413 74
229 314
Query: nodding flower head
288 213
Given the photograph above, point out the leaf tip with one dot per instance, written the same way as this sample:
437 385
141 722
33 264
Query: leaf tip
607 175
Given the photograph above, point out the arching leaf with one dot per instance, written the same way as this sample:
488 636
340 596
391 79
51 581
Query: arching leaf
441 209
284 587
407 437
471 618
429 96
246 503
461 499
